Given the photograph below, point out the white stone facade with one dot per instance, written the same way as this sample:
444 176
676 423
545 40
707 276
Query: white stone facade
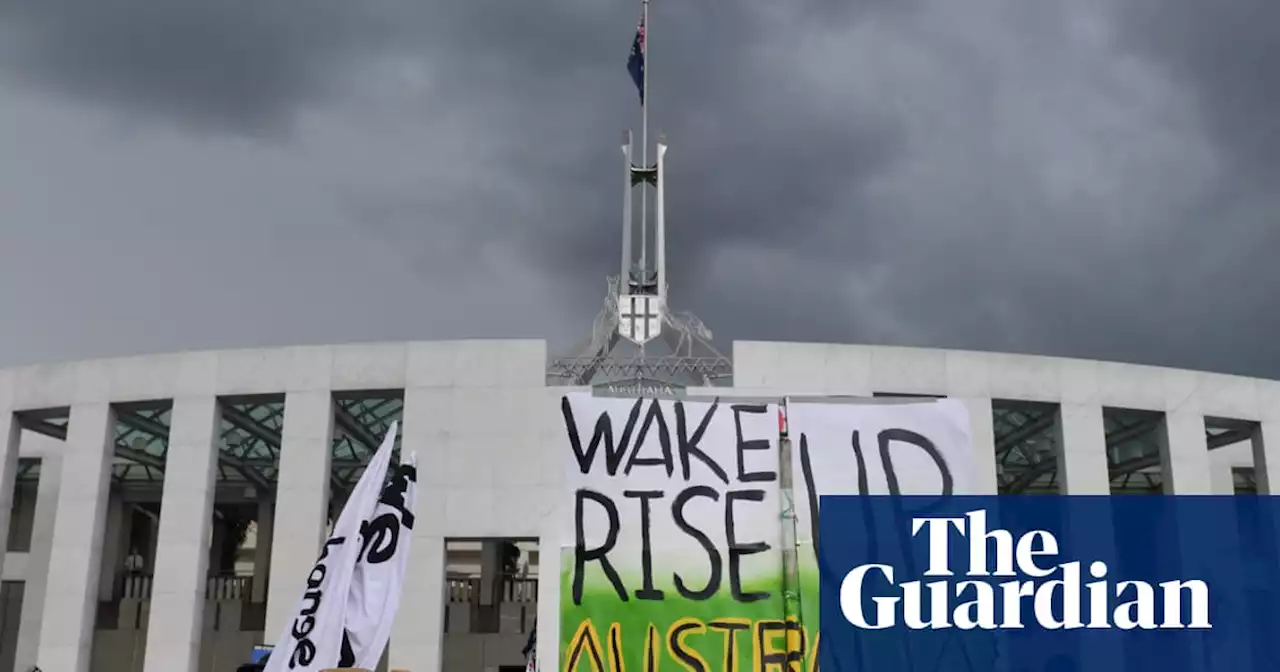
483 422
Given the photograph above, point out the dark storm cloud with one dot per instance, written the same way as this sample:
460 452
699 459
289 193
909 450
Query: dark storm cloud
1229 54
1226 56
242 66
750 160
1077 177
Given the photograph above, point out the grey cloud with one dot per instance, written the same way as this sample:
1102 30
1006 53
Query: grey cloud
1080 177
1228 54
235 66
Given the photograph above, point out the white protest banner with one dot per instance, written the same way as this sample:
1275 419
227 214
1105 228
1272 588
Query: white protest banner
893 448
316 637
380 569
909 448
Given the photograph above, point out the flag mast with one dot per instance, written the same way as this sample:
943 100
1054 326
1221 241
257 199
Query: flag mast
636 308
641 289
644 140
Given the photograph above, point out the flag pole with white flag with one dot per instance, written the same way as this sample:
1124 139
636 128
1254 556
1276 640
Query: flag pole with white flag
380 569
351 595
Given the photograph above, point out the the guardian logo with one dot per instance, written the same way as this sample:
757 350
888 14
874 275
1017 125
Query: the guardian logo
1028 562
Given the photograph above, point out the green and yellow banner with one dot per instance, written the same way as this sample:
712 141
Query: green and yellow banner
686 545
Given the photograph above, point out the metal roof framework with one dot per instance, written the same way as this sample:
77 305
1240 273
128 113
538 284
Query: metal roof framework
249 438
1026 447
684 354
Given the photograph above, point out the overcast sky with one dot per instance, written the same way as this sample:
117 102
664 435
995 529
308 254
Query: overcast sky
1071 177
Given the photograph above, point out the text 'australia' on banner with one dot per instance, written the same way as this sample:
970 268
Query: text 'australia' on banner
671 552
919 448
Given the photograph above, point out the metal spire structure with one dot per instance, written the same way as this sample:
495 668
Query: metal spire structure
637 343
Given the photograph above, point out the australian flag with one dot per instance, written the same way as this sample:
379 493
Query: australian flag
635 64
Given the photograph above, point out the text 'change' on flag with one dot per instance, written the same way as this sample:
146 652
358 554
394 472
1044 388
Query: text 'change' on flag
635 64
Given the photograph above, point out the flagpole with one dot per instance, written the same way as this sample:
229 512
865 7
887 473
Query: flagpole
644 147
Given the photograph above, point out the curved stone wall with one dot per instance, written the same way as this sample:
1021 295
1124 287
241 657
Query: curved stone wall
483 423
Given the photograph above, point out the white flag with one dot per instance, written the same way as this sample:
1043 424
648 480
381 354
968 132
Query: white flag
379 574
314 638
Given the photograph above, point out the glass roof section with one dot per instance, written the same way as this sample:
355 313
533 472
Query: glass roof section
251 428
1026 454
249 439
1133 449
250 435
358 427
1025 447
142 443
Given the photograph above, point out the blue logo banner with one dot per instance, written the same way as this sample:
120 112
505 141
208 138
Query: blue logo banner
1032 583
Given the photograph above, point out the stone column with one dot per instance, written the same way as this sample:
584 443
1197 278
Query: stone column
986 477
71 602
176 622
1186 470
417 637
302 501
1082 450
38 564
1266 456
10 436
1184 454
982 429
1081 438
1236 655
548 609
